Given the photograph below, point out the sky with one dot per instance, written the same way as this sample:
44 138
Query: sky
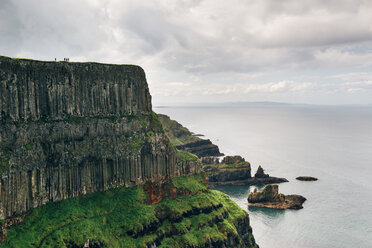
207 51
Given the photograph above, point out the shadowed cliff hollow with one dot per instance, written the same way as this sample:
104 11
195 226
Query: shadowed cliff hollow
68 129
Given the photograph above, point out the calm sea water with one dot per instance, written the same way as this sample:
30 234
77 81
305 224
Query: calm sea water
333 144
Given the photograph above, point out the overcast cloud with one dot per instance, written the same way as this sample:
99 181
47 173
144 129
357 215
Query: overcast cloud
208 51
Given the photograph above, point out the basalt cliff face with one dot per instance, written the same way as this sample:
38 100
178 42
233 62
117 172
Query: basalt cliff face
68 129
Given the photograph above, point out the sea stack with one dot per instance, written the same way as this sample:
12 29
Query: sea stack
270 197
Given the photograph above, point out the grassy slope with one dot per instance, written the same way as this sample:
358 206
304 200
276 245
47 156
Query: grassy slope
186 156
177 134
108 216
226 167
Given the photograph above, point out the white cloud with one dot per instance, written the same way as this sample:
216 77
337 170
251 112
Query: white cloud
215 46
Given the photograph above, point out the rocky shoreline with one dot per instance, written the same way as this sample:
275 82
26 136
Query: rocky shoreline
231 170
250 181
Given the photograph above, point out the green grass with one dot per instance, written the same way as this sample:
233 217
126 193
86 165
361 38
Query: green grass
155 123
73 119
192 183
4 164
177 134
29 146
135 145
229 166
108 217
4 159
186 156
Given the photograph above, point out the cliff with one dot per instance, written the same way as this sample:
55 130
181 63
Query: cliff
184 140
69 129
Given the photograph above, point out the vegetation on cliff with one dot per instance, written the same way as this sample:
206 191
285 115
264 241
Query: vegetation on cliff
184 140
188 215
177 134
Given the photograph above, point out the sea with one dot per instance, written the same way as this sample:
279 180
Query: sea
332 143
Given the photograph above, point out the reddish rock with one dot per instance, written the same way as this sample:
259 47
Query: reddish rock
13 221
2 234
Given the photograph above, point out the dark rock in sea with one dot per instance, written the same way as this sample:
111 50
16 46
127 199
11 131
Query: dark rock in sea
306 178
260 173
270 197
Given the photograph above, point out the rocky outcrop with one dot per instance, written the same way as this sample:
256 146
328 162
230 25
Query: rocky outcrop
306 178
234 170
201 148
232 159
269 197
184 140
260 173
69 129
222 172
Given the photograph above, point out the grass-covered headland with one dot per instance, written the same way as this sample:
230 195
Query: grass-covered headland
187 215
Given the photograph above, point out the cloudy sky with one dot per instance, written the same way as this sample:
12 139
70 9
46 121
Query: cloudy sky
308 51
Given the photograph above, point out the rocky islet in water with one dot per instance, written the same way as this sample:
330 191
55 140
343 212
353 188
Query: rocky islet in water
306 178
270 197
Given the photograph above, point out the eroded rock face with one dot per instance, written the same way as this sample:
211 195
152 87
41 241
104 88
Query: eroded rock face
68 129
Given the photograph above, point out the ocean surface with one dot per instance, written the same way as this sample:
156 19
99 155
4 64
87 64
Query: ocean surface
331 143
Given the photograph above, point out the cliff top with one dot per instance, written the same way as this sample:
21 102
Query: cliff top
32 90
4 58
